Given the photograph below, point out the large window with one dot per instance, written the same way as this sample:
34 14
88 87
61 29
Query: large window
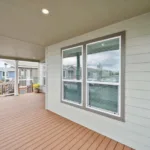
103 61
72 75
101 78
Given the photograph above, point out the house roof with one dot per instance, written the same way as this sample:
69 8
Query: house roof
89 68
21 64
8 69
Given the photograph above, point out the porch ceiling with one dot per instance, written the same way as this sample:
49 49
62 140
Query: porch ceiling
23 20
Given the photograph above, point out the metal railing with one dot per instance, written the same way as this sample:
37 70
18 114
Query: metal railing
7 88
25 86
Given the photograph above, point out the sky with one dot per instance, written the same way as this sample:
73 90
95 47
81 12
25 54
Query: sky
2 64
109 60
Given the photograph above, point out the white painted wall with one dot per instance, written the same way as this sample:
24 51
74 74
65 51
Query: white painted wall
14 48
43 89
41 75
135 131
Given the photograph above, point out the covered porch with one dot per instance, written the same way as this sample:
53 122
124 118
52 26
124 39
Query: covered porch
25 124
93 66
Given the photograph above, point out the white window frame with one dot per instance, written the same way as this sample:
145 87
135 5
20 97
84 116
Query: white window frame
69 80
105 83
64 74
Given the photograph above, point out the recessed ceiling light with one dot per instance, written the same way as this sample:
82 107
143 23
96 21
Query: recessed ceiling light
45 11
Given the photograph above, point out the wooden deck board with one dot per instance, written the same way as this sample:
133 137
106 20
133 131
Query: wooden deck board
82 141
89 142
104 144
26 125
68 139
111 145
119 146
97 142
127 148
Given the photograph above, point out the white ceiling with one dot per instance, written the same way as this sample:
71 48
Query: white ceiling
23 20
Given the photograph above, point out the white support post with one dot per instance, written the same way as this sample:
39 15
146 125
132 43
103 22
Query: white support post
40 73
5 72
16 78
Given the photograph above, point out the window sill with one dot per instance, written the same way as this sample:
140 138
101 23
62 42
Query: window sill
72 103
95 111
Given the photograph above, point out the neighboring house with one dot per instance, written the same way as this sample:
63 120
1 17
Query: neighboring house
69 72
94 74
10 74
28 73
1 75
24 73
26 70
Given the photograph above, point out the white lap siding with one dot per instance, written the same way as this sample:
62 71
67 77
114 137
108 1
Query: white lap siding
135 131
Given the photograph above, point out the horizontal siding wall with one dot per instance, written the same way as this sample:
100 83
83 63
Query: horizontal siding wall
135 131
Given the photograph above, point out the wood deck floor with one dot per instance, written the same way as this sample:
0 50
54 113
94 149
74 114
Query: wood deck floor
24 124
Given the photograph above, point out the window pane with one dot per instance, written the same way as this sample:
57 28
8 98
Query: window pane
72 91
72 63
103 96
103 59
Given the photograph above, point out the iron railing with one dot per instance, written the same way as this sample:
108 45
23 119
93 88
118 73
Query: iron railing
7 88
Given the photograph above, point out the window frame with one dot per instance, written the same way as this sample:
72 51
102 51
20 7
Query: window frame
71 81
121 88
104 83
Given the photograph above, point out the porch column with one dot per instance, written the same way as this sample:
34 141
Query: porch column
5 71
78 67
78 74
16 78
40 71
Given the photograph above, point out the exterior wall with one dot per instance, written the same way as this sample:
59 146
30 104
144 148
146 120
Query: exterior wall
14 48
11 74
1 75
135 131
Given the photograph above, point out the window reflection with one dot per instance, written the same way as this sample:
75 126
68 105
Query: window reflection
72 64
72 91
103 61
103 96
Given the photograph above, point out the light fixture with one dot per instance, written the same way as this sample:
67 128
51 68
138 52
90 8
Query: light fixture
45 11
